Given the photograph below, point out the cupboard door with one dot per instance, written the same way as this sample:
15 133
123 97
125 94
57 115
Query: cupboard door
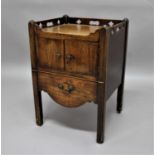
50 54
80 57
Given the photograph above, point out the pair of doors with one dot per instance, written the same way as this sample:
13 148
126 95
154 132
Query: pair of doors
73 56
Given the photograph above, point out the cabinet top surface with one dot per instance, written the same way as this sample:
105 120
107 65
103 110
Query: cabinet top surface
72 29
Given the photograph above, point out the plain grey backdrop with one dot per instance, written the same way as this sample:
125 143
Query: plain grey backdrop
73 131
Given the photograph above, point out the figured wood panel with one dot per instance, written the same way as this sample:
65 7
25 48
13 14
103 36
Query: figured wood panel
50 53
72 29
93 37
82 91
84 57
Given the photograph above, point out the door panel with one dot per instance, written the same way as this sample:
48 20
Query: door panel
51 54
80 57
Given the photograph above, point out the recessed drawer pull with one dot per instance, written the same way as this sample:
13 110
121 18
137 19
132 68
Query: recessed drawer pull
69 57
66 87
69 89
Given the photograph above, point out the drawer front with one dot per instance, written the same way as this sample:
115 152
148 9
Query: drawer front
50 54
80 57
67 91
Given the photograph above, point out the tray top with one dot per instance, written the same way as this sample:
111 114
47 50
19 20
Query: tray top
72 29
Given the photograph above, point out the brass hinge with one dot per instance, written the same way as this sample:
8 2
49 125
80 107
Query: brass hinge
101 82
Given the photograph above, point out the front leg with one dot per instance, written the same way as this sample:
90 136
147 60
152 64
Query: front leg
37 100
36 91
101 112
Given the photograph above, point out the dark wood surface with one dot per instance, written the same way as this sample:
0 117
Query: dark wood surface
75 62
101 87
115 59
121 86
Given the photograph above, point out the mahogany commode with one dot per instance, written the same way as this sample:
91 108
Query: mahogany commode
77 60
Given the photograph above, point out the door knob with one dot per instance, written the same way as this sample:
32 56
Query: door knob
60 86
66 88
69 57
69 89
58 55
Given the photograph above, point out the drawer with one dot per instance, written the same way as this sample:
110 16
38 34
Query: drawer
67 91
81 57
50 53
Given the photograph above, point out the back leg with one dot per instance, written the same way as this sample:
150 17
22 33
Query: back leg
120 98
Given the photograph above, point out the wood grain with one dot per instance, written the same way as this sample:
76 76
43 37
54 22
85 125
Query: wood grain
76 63
36 92
83 92
72 29
85 57
51 53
